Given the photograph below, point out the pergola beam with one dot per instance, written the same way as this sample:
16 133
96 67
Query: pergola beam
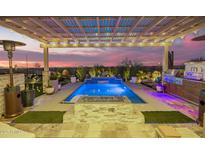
115 29
98 26
171 25
132 28
25 26
89 45
174 30
150 27
82 40
19 30
60 24
196 28
80 37
154 23
44 26
81 28
187 28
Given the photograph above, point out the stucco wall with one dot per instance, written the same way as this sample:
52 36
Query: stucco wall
19 80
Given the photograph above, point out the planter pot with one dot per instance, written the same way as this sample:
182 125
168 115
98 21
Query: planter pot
73 79
59 86
27 97
159 88
133 80
54 84
50 91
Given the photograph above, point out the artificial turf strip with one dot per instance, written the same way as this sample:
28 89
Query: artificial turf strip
42 117
165 117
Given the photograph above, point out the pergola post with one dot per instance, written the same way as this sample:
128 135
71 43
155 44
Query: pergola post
46 68
165 62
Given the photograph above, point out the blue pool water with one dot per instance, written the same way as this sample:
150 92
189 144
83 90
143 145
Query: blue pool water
105 87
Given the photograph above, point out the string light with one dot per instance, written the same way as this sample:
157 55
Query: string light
107 44
75 44
182 37
86 44
130 44
97 44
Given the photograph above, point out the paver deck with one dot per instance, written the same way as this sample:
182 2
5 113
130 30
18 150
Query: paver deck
107 120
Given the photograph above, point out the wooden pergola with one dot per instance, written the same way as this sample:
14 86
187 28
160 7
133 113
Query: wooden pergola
77 32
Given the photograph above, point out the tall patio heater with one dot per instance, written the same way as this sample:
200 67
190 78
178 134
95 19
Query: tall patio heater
13 105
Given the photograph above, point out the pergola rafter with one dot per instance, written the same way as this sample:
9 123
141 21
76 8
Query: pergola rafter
44 26
25 26
81 28
115 29
22 31
188 31
192 25
98 25
133 27
100 30
60 24
150 27
173 28
172 24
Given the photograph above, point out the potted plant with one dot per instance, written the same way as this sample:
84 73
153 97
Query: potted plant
50 90
159 87
28 94
54 81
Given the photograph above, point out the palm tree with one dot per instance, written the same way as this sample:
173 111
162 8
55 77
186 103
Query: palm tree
112 71
80 73
93 72
126 74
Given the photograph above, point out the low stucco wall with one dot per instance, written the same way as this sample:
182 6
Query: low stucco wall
19 79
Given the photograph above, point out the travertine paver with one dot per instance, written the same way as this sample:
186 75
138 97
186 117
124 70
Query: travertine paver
108 130
7 131
102 113
106 121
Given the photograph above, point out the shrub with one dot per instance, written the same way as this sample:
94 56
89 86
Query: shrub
80 73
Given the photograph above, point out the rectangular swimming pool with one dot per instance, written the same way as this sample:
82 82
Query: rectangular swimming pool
105 87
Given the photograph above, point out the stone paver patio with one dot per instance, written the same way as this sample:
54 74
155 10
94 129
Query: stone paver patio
105 120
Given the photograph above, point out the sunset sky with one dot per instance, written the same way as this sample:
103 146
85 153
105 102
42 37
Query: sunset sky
184 49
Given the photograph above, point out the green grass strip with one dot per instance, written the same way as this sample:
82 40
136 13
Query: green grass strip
165 117
41 117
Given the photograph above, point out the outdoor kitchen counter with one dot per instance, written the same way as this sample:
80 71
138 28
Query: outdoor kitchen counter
189 89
